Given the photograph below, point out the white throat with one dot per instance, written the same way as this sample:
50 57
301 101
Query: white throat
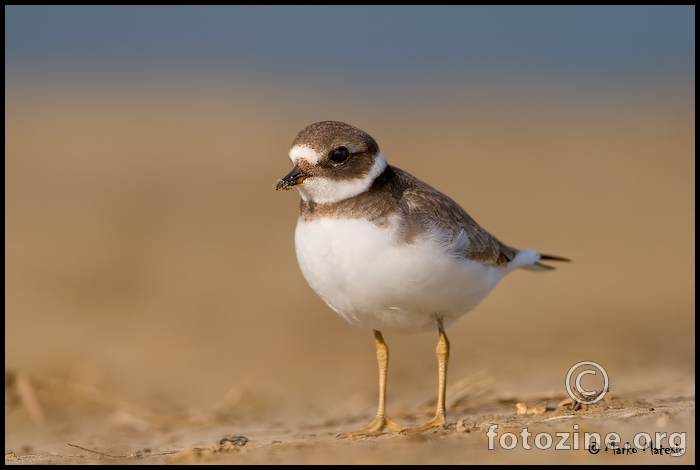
323 190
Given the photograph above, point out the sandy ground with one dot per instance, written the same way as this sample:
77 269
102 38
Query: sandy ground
155 312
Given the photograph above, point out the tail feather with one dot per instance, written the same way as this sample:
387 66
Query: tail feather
550 258
530 259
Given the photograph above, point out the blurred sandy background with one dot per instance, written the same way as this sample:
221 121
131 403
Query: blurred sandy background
149 258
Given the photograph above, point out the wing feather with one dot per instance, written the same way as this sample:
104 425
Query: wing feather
426 208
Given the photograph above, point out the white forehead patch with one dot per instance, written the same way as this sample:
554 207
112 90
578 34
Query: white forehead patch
322 190
304 152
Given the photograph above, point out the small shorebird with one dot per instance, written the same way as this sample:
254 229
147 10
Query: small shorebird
387 251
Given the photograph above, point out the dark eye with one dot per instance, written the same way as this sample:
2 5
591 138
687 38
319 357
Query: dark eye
340 154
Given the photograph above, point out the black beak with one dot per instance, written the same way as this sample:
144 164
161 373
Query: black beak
294 177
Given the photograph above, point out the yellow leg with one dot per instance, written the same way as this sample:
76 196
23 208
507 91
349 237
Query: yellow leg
443 355
381 421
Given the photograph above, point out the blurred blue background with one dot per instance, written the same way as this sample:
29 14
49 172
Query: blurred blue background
365 43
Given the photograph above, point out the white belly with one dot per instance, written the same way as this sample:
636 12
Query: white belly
372 279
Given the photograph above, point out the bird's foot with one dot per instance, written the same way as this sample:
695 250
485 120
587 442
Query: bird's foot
436 422
375 428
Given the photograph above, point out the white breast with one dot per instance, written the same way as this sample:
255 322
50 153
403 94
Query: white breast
369 276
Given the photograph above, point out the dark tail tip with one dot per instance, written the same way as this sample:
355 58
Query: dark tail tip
550 258
553 258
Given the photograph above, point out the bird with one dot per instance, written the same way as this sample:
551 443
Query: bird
388 252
